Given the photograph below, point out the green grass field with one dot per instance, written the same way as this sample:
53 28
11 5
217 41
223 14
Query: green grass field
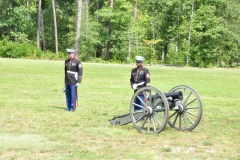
31 128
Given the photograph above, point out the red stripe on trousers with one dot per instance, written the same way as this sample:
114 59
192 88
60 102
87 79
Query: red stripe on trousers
75 99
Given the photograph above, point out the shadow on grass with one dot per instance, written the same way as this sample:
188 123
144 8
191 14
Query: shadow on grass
62 108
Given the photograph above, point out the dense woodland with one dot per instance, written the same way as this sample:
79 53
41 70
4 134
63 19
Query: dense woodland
198 33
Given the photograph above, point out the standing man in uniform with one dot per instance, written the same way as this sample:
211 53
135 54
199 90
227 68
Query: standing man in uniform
73 78
140 77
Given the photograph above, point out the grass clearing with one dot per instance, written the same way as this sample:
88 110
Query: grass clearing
33 129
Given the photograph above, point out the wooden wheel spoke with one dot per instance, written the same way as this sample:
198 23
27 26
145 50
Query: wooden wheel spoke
187 98
191 102
138 105
191 113
157 120
188 118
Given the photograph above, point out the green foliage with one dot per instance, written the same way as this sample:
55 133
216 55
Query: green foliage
93 60
212 38
9 49
22 22
176 58
19 50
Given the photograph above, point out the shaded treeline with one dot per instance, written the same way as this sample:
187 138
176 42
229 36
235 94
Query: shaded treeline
198 33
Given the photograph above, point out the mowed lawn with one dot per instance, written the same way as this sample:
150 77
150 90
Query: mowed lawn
35 126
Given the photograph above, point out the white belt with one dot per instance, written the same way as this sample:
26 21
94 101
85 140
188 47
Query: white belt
135 86
139 84
75 74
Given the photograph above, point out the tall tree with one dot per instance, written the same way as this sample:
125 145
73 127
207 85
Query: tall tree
43 35
108 47
78 27
55 27
189 32
39 22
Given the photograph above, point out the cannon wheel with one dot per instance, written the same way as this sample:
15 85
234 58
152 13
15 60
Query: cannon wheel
187 112
154 115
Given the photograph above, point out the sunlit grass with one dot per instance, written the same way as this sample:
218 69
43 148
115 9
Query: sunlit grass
31 128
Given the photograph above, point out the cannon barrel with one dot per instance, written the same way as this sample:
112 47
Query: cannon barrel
174 95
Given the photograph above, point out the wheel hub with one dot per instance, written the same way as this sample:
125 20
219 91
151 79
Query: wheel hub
148 110
181 108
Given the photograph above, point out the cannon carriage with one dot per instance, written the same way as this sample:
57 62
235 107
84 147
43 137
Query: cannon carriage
181 108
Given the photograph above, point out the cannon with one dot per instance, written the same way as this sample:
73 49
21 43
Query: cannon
181 108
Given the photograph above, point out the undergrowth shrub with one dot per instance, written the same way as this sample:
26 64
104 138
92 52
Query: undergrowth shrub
10 49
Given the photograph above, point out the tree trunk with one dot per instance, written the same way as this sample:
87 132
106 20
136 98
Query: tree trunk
99 51
129 45
8 27
109 34
39 22
55 28
178 36
135 19
97 6
87 3
153 36
189 33
43 36
78 28
28 4
164 52
135 10
131 35
108 50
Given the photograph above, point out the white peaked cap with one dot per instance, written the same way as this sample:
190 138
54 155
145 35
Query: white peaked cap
70 50
139 58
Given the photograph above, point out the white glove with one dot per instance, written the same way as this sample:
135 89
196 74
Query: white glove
77 84
134 86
